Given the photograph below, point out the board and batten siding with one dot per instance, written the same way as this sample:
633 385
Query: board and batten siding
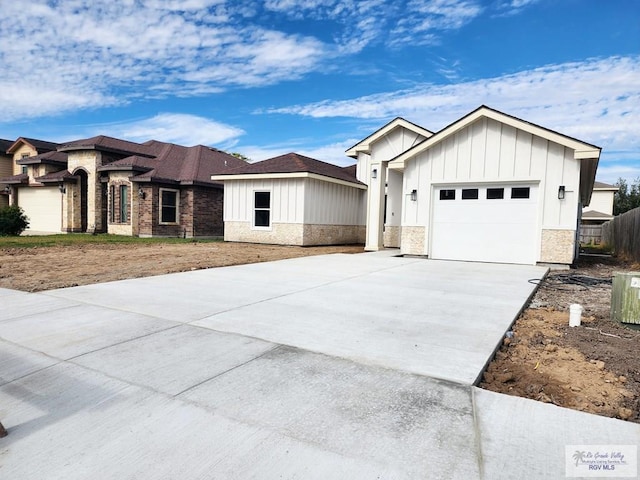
297 200
488 152
287 199
328 203
393 144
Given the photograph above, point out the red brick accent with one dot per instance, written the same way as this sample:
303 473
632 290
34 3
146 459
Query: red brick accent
200 212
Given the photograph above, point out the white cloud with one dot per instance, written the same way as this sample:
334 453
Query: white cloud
595 100
331 153
66 55
179 128
425 17
91 53
610 172
512 7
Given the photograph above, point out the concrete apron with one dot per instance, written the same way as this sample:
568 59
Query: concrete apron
322 367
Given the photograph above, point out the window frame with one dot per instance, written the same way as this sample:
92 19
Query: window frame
494 191
522 190
112 203
161 206
470 194
256 209
123 204
444 194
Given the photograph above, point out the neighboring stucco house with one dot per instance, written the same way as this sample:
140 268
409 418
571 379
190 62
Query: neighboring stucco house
104 184
293 200
25 147
489 187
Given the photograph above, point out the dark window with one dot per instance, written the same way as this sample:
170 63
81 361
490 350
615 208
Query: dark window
112 203
24 169
495 193
520 192
447 194
124 203
168 206
469 194
262 209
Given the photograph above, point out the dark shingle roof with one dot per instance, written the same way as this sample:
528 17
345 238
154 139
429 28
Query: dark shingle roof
52 158
295 163
60 176
177 164
107 144
5 145
41 146
16 179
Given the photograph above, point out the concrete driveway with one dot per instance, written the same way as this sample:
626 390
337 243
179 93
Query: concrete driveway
327 367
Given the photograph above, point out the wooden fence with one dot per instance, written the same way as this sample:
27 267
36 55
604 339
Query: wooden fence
623 234
590 234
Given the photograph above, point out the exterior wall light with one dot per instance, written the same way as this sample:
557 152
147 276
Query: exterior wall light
374 173
62 189
561 192
413 195
141 193
7 189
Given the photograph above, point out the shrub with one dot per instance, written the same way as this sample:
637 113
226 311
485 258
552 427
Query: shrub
13 221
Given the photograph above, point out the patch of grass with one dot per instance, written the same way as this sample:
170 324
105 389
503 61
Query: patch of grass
595 248
34 241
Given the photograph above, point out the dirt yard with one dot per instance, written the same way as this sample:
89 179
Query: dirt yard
594 367
46 268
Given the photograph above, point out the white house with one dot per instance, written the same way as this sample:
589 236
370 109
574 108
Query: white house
489 187
293 200
600 208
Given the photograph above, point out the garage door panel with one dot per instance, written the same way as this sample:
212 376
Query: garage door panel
482 229
43 207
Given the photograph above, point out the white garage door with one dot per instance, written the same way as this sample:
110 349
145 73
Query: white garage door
43 207
485 223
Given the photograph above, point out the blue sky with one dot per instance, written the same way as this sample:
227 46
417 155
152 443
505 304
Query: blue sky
265 78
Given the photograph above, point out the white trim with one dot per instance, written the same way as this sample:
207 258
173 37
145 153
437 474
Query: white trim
177 192
270 176
365 145
582 151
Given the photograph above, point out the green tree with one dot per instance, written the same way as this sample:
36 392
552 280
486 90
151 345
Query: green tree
13 221
627 197
241 157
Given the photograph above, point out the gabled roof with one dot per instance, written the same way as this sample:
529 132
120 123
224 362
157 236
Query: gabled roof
107 144
588 154
51 158
398 122
176 164
582 150
290 165
40 146
604 186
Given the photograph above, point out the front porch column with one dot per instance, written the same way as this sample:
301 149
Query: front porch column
375 206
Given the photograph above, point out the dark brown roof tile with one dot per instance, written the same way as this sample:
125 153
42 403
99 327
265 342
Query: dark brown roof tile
296 163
